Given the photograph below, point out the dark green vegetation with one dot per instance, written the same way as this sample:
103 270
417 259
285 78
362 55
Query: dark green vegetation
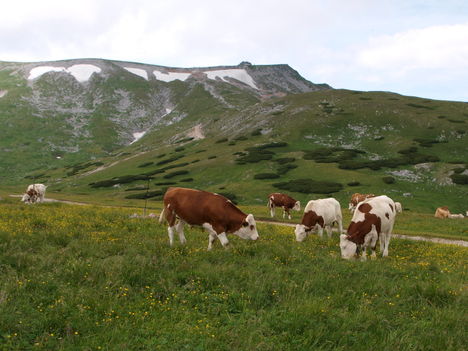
91 278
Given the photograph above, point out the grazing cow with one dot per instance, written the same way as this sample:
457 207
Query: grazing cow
357 198
442 212
34 193
373 220
213 212
319 214
284 201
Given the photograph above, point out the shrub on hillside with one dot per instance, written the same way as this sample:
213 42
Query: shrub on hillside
461 179
257 132
284 160
145 195
266 176
176 173
354 183
146 164
308 186
118 180
283 169
388 180
255 156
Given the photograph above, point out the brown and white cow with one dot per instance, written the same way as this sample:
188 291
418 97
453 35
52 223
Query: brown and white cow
211 211
34 193
284 201
357 198
373 220
319 214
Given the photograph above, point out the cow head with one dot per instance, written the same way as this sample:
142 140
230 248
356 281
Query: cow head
301 232
351 207
248 229
297 206
26 198
348 248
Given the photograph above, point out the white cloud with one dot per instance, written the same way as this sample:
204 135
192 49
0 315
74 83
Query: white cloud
436 47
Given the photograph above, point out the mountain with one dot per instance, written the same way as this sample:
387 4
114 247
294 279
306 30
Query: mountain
77 109
108 129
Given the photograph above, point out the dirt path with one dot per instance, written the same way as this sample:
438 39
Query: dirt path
463 243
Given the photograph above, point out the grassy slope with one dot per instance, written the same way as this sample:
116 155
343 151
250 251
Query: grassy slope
306 122
88 277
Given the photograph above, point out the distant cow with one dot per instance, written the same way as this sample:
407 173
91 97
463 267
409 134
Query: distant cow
319 214
373 220
284 201
34 193
442 212
357 198
213 212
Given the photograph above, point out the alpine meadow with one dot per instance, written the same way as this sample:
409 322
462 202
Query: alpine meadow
91 268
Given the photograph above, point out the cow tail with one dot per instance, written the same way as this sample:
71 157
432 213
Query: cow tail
161 216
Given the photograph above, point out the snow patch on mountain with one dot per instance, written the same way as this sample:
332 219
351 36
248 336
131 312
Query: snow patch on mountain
238 74
138 136
170 76
81 72
138 71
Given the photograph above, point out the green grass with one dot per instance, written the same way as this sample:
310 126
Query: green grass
91 278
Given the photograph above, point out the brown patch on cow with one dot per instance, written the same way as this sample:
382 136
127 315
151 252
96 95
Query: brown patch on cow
358 230
365 208
387 215
310 219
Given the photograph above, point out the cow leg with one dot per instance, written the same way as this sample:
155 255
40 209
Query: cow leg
212 235
272 211
329 231
180 229
320 231
289 214
170 230
340 226
223 239
387 242
211 240
284 212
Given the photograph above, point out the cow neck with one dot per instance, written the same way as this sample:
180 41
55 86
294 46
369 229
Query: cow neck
235 223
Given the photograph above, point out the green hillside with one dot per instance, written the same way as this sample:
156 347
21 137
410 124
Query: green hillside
345 141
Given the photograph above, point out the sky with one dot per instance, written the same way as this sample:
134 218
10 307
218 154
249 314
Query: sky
411 47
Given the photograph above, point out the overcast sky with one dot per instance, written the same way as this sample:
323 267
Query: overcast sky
412 47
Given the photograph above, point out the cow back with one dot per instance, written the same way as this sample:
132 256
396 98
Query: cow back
197 207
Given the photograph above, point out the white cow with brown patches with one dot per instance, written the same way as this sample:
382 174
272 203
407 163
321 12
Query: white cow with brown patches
214 212
373 220
34 193
284 201
320 214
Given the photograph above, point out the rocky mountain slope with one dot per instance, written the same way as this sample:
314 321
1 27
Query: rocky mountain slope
79 109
